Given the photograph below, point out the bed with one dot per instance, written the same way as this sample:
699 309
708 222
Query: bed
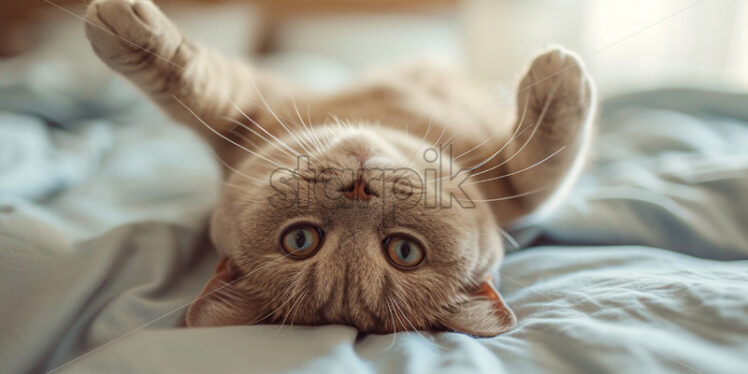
104 202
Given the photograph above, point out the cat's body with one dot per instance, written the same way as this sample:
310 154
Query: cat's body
354 148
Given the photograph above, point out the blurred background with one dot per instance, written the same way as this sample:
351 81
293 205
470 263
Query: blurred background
627 44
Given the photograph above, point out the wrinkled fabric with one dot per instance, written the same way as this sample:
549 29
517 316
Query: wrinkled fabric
670 170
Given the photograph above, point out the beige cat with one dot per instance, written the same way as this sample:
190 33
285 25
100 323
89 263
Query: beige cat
378 207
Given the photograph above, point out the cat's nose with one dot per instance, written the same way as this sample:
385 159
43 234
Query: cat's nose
358 190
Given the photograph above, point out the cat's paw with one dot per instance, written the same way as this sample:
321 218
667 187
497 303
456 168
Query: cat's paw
556 85
130 32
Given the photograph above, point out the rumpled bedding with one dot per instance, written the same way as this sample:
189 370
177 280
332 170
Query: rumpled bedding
104 203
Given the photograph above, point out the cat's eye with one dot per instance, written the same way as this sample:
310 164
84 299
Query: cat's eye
301 241
403 251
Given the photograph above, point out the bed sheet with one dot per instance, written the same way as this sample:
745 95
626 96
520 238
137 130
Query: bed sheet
103 204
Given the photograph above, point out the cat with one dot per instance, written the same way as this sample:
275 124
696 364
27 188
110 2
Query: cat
378 207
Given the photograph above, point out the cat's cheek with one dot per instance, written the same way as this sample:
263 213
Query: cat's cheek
221 303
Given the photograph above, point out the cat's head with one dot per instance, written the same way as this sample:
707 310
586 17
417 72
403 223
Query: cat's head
352 234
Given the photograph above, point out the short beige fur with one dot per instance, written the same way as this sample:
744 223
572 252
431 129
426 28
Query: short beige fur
516 161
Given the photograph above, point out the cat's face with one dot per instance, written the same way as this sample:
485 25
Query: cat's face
353 234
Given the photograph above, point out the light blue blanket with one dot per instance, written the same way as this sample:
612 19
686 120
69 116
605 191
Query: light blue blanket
103 204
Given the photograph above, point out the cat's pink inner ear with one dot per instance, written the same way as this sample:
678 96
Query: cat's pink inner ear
220 302
484 314
487 290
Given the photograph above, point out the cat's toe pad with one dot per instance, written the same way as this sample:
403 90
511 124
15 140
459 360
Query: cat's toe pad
122 31
557 75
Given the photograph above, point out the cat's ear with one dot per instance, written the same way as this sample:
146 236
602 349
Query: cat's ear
483 314
221 302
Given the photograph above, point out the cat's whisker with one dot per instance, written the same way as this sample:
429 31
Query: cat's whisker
447 146
248 140
516 133
450 141
534 129
238 187
311 126
346 124
514 136
407 319
259 268
261 107
303 298
526 193
444 129
308 135
520 170
305 144
239 123
423 140
509 238
326 139
294 152
337 121
227 284
468 170
293 316
243 189
292 308
268 264
342 125
397 315
509 141
519 125
472 149
226 164
394 325
223 136
415 330
272 312
275 115
308 130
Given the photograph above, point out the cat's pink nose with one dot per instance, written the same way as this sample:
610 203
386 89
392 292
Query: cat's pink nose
358 190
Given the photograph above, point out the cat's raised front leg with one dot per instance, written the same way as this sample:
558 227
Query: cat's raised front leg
127 34
137 40
555 111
